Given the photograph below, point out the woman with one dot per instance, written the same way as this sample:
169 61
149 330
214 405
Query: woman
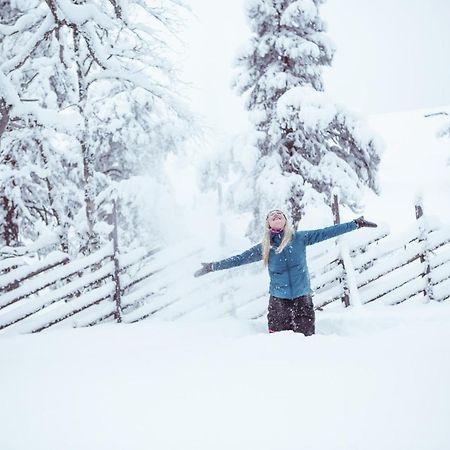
284 252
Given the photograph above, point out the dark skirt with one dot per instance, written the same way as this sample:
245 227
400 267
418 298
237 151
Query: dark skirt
296 315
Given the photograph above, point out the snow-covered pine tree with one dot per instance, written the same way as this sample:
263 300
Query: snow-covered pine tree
308 146
101 64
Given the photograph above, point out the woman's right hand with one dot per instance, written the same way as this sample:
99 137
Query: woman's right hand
206 268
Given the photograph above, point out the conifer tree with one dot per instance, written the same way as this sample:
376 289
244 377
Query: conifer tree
308 146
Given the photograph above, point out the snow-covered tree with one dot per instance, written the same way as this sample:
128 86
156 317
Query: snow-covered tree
35 172
308 146
84 89
38 184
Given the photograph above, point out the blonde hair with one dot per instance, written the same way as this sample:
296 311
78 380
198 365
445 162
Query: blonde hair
266 241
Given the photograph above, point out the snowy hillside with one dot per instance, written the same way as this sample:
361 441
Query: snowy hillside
370 379
415 162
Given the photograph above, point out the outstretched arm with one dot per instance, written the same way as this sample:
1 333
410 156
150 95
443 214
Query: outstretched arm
249 256
314 236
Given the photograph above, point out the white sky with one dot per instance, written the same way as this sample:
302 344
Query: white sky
391 55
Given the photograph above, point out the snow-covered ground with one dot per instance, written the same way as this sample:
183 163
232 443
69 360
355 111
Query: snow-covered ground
372 378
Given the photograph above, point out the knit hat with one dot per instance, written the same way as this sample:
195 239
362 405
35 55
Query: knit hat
277 210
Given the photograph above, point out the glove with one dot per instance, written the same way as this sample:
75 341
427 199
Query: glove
206 268
361 222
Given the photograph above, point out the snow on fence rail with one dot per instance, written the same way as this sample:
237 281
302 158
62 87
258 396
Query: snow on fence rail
45 292
54 291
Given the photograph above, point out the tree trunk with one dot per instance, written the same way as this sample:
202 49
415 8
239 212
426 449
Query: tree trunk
10 232
86 151
337 220
296 208
4 116
89 195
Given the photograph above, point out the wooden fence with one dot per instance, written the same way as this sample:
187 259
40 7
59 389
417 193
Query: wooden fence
367 266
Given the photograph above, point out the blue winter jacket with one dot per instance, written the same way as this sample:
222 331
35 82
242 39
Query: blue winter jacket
288 271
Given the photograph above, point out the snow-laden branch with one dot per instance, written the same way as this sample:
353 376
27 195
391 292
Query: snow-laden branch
124 75
46 28
64 121
303 103
95 47
24 22
8 91
156 13
299 12
83 14
137 80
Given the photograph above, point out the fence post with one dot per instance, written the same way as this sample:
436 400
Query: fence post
116 276
337 219
335 210
425 255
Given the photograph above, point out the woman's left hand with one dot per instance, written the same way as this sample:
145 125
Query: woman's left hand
361 222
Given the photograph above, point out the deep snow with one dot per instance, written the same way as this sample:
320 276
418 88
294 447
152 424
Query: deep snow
372 378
